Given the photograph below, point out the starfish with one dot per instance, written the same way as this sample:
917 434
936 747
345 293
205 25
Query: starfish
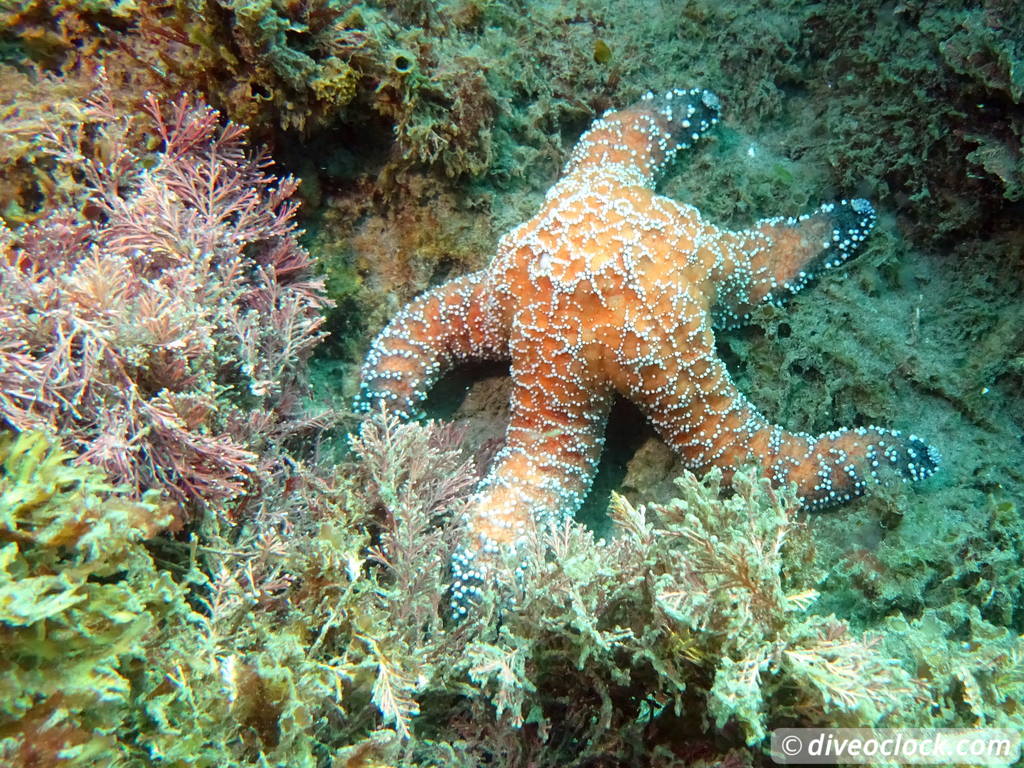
612 288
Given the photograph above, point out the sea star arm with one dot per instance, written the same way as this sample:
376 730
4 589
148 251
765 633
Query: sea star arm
453 322
697 409
644 138
778 256
542 475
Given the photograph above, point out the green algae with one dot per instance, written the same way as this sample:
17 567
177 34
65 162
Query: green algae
576 656
79 596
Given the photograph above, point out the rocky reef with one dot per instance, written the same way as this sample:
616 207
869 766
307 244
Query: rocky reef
205 559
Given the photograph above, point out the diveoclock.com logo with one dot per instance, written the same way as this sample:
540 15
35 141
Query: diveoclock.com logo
914 746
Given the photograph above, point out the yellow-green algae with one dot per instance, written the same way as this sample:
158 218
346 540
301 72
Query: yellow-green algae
330 648
79 598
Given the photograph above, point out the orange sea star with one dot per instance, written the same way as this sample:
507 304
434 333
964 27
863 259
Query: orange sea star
613 288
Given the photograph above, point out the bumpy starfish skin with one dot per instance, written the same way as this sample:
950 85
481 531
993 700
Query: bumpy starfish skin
613 288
